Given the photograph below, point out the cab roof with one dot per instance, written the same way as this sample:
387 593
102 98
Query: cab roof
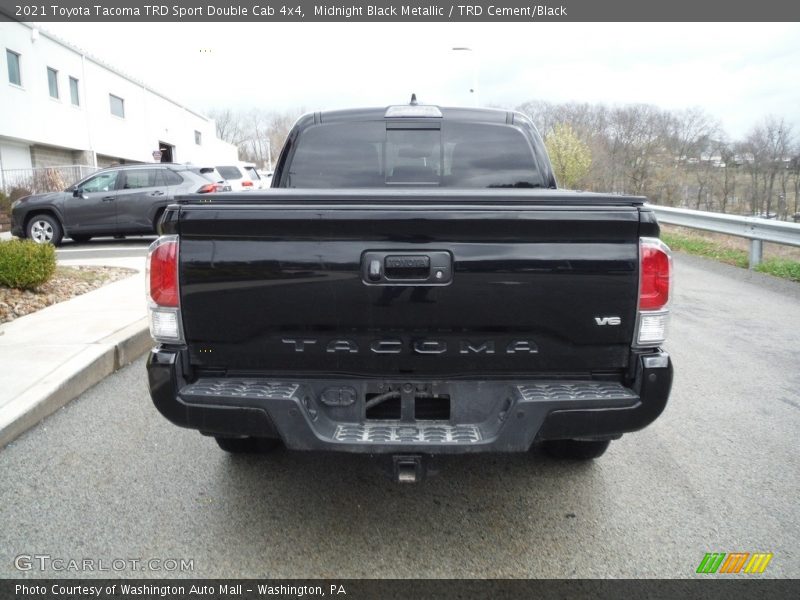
484 115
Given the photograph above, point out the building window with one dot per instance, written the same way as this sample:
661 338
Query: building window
198 137
52 82
13 67
73 91
117 105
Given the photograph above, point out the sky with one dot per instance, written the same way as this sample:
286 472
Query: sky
738 72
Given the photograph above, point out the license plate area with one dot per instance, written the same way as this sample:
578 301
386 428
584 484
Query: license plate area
432 408
407 402
383 409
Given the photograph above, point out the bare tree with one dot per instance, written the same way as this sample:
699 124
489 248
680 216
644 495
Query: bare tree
254 146
729 168
543 115
768 148
637 143
280 125
688 129
257 133
228 124
782 159
794 168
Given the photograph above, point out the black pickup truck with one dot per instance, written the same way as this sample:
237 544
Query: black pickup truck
413 284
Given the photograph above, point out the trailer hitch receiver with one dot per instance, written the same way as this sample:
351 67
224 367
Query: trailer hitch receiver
408 468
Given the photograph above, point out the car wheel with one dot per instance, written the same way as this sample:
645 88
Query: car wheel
576 449
80 239
247 445
45 229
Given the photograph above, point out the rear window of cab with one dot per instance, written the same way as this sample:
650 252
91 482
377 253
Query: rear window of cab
372 154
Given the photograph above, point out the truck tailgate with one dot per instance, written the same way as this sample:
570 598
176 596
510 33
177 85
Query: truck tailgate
285 288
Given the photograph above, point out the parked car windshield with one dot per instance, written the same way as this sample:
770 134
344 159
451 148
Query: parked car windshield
368 154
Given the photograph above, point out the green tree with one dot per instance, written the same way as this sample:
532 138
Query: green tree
570 156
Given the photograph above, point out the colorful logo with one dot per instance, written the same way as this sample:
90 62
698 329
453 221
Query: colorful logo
734 562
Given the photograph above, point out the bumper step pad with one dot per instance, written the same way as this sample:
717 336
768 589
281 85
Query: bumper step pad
239 388
414 434
578 390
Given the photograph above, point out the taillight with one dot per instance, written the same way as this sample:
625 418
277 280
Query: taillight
655 273
246 183
655 280
164 273
162 290
209 188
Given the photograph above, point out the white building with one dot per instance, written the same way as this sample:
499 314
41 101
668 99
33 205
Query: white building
61 107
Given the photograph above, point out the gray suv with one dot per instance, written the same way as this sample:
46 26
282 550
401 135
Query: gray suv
121 200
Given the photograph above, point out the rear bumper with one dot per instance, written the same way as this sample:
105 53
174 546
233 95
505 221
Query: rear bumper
484 416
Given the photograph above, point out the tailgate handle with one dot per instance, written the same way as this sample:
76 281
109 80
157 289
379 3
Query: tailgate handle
406 268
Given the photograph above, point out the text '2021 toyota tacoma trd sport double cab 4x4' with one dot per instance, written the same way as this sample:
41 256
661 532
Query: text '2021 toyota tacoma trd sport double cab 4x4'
413 284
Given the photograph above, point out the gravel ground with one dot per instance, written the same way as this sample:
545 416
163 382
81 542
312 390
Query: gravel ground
67 283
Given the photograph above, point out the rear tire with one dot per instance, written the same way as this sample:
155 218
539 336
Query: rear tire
576 449
80 239
247 445
44 229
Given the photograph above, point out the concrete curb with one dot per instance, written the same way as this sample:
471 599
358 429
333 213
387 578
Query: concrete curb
68 381
130 342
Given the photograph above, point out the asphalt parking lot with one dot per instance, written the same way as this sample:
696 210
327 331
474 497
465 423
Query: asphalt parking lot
107 477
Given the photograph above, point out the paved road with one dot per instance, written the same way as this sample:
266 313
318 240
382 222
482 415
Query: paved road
107 477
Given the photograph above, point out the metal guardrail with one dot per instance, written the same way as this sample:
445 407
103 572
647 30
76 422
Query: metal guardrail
755 229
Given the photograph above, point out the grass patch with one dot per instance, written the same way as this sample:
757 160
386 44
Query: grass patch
780 267
703 247
78 275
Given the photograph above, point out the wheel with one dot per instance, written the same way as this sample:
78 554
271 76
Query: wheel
576 449
80 239
45 229
246 445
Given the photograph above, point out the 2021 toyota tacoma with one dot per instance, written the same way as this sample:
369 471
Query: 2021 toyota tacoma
413 284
